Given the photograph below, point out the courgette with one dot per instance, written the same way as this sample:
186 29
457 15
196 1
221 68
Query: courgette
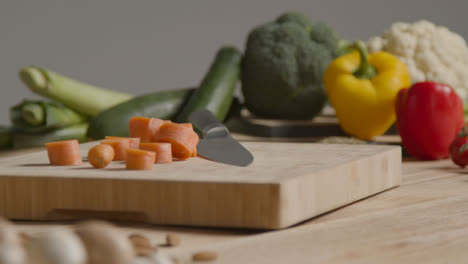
32 140
114 121
216 90
6 137
32 116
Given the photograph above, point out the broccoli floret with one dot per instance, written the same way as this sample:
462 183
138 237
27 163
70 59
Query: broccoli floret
283 66
294 17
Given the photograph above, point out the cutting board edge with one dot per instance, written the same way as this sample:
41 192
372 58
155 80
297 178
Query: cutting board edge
291 214
235 209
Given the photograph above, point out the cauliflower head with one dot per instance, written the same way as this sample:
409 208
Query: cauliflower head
430 52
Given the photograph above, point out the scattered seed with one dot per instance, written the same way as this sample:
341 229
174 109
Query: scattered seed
175 260
141 245
172 240
205 256
139 240
144 252
24 238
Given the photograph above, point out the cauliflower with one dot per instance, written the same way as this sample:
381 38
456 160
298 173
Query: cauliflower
430 52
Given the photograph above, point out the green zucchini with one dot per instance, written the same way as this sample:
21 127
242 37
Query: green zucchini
216 90
32 116
32 140
114 121
6 137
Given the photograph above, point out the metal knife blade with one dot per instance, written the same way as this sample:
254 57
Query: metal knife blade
216 143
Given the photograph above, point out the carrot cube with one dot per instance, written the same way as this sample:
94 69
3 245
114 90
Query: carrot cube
134 142
182 138
138 159
144 128
120 147
64 153
163 151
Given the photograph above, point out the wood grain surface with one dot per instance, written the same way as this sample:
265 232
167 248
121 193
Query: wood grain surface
425 220
286 184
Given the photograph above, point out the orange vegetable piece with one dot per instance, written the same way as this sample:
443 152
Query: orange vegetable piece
134 142
163 151
144 128
188 125
64 153
194 151
182 138
138 159
101 155
120 147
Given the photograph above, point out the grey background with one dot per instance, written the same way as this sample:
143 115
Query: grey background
144 46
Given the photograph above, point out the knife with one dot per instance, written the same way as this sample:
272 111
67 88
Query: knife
216 143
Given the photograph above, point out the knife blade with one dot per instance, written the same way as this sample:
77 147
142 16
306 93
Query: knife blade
216 143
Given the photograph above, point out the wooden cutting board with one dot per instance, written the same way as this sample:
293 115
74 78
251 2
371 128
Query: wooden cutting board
287 183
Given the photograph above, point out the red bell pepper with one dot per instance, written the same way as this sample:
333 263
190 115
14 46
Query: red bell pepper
429 117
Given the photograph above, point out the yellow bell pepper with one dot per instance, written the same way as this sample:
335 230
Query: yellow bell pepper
363 89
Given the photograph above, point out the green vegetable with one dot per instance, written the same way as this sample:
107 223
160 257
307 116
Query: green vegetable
31 140
114 121
217 87
6 137
81 97
283 66
36 116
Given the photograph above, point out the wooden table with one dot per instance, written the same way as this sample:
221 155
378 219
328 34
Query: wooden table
425 220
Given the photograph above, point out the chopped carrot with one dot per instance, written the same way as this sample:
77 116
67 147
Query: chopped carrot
144 128
194 151
163 151
134 142
64 153
188 125
120 147
138 159
101 155
182 138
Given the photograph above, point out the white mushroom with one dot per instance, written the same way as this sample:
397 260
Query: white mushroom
105 243
11 250
60 246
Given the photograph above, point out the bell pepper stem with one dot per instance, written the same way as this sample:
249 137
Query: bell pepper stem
344 47
365 69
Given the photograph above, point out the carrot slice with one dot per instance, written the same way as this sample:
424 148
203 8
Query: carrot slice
134 142
194 151
144 128
182 138
138 159
163 151
120 147
189 125
64 153
101 155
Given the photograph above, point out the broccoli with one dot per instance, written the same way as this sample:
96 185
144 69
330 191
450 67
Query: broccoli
283 65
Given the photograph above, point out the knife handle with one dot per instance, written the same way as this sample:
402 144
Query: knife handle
207 123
